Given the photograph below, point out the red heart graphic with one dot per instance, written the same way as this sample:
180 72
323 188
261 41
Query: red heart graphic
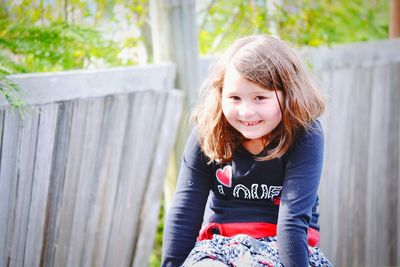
224 176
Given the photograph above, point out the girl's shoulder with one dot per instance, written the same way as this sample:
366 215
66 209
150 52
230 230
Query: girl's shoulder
313 131
193 155
308 140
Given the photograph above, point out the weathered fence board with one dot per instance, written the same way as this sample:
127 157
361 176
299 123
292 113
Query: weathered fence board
144 155
86 178
149 213
8 182
377 179
395 159
75 174
40 184
121 239
68 201
56 183
68 85
109 167
1 127
27 148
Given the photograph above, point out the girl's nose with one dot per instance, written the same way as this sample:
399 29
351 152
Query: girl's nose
245 110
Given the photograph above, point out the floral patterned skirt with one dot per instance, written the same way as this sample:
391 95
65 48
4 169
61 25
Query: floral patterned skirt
243 250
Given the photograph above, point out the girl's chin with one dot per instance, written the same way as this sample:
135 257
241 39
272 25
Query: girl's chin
252 136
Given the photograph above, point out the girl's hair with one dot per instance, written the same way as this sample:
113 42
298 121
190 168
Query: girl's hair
271 64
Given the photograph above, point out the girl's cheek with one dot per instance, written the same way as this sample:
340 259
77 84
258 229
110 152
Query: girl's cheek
226 109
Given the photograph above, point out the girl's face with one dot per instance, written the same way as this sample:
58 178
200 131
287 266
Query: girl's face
250 109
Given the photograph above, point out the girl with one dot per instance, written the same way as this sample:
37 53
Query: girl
258 147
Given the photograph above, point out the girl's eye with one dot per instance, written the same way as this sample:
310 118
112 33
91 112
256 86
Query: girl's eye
260 98
235 98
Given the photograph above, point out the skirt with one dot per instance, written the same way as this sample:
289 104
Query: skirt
244 251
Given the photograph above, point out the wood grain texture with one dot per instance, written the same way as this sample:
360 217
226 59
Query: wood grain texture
9 182
41 88
75 176
135 178
359 187
26 159
40 184
150 208
56 183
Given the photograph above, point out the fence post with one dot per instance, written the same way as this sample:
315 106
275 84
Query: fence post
174 35
394 26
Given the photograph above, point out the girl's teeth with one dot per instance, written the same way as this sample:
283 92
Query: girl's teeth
250 123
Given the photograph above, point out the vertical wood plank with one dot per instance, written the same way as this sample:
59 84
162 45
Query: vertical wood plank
335 162
151 205
2 112
377 185
133 178
360 113
74 157
395 144
393 161
40 184
56 185
86 180
111 141
326 184
8 181
26 161
90 184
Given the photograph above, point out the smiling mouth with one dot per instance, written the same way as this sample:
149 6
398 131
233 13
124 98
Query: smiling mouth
250 123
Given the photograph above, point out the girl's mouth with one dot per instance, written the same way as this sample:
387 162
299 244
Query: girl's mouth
250 123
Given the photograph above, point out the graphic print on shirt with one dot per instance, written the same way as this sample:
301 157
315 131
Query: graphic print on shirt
241 191
224 178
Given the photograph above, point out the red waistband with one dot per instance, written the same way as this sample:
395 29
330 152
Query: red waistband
253 229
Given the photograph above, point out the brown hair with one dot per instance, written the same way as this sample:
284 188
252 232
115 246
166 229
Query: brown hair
271 64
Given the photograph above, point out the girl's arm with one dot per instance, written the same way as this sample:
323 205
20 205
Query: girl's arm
299 193
186 214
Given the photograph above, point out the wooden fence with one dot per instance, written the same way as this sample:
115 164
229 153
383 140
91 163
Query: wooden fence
360 185
359 191
81 174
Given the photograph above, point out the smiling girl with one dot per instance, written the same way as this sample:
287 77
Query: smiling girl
257 148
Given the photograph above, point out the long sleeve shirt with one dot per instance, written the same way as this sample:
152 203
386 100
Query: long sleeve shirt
281 191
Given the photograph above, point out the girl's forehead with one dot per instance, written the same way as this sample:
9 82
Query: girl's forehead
234 82
231 70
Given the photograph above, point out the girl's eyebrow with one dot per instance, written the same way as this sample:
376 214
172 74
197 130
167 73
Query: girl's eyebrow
263 92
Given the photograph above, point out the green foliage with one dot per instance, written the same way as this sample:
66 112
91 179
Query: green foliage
155 258
58 46
39 37
12 93
316 23
224 21
304 22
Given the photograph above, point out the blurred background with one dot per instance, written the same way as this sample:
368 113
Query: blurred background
351 47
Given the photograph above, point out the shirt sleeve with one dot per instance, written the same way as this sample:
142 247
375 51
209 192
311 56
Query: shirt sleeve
185 216
299 193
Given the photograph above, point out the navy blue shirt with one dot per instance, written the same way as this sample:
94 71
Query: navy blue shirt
282 191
